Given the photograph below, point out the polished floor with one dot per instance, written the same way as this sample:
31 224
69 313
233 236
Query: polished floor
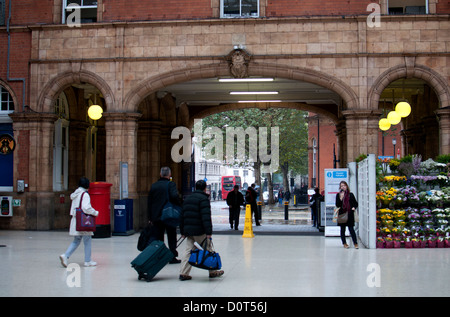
263 266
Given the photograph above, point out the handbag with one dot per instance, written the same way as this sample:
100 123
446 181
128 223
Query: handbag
204 259
84 222
147 235
171 213
342 218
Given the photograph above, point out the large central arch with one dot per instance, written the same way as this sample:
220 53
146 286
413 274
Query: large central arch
136 95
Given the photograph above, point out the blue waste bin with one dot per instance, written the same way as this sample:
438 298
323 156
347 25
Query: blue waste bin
123 217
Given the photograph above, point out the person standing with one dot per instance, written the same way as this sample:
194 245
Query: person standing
346 202
315 205
235 200
80 195
157 198
250 198
196 226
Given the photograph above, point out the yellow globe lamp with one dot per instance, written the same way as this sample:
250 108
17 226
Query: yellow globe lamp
95 112
403 109
393 118
384 124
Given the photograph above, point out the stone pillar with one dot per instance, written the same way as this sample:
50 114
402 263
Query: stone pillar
444 130
361 132
121 146
37 130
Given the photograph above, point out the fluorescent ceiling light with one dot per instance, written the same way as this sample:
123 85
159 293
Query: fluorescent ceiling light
253 101
253 92
241 80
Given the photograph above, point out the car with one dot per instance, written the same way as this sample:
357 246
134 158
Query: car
266 197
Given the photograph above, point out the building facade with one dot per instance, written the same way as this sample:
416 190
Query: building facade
57 60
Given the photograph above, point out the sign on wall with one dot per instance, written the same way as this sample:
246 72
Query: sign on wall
332 179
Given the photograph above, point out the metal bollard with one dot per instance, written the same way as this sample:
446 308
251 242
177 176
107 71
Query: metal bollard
286 210
259 210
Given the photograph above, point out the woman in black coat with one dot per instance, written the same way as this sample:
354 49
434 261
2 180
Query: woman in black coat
346 202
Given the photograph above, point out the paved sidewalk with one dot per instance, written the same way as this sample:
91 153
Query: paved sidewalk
273 220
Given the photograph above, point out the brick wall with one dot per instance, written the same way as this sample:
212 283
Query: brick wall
279 8
157 10
31 11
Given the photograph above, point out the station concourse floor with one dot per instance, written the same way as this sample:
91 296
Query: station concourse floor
264 266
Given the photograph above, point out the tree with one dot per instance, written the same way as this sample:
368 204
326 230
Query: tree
293 140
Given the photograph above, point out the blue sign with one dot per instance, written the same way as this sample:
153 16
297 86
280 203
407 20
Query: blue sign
337 174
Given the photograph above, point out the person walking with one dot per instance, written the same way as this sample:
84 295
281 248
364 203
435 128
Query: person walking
156 201
196 226
80 194
346 202
235 200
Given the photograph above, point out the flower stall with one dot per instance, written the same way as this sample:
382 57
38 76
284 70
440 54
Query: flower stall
413 203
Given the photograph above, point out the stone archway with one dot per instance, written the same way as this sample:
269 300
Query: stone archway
136 95
433 79
57 84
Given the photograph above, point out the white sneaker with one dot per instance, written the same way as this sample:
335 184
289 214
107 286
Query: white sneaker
63 259
91 263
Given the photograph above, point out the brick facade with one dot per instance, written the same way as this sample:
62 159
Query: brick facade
133 52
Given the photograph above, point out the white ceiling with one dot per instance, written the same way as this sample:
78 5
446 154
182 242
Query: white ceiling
211 92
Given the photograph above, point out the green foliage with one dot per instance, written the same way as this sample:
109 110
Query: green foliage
293 147
444 158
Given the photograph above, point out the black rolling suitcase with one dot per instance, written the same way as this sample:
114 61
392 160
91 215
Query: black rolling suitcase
150 261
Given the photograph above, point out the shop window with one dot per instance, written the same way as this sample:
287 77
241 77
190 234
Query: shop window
6 102
402 7
2 12
239 8
87 10
61 145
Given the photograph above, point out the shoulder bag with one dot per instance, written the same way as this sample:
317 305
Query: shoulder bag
342 217
84 222
171 213
204 259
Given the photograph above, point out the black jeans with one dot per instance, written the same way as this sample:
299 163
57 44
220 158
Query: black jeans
234 217
352 233
171 236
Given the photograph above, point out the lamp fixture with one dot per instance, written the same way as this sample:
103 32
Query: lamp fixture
393 118
253 101
403 109
253 92
384 124
95 112
244 80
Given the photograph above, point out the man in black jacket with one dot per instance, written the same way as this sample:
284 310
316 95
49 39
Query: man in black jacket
157 198
235 200
196 226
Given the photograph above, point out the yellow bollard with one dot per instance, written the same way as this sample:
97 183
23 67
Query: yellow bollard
248 229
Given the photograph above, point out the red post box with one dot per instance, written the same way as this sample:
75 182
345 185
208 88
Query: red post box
100 193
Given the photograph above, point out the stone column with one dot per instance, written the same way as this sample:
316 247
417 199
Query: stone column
121 146
361 132
444 130
36 130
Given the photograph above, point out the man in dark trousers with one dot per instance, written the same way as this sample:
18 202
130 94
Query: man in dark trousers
250 198
157 198
235 200
196 226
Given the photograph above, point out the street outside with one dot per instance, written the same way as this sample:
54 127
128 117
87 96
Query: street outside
272 218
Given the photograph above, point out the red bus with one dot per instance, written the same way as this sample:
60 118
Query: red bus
228 183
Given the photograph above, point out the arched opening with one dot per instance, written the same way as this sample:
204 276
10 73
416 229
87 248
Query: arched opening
417 133
79 142
180 103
